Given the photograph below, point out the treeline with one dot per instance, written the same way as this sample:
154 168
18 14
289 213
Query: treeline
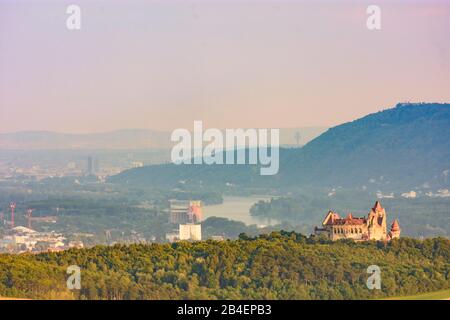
281 265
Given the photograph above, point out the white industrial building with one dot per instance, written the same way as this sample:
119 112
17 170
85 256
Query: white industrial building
190 232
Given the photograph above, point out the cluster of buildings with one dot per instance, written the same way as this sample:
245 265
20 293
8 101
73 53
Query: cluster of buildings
21 239
187 215
70 165
372 227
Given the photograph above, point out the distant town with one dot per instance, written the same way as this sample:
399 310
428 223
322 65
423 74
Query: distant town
37 164
185 214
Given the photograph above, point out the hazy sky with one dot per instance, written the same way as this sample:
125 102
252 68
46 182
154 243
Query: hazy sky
163 64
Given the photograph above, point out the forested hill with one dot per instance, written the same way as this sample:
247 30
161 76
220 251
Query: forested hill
408 146
404 147
282 265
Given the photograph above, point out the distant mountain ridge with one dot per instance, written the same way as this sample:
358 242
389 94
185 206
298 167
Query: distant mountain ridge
121 139
407 146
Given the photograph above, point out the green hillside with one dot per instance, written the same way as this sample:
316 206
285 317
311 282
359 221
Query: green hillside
408 145
281 265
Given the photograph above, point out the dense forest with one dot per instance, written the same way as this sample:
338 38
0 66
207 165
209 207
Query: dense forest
280 265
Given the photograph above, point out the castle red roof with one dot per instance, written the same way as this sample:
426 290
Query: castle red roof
332 216
377 206
349 221
395 226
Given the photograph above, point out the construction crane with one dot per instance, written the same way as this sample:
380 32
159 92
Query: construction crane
41 219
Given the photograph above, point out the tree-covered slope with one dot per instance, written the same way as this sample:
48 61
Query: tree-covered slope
408 145
281 265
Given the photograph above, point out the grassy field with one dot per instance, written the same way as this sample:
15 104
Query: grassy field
438 295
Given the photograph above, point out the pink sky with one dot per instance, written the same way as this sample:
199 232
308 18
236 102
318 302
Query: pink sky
163 64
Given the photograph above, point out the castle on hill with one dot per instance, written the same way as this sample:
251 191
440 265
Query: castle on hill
374 227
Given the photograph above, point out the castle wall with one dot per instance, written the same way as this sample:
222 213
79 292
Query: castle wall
348 232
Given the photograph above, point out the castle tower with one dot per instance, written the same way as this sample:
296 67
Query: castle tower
395 230
377 222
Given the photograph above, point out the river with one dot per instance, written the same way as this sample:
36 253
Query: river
238 208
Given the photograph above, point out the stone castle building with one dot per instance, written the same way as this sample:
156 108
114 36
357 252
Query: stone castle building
374 227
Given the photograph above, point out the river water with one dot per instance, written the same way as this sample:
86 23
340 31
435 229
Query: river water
238 208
